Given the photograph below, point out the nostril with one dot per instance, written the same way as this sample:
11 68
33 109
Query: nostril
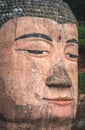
54 81
51 80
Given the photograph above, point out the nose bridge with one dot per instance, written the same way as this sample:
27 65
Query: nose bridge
58 68
58 64
59 77
58 61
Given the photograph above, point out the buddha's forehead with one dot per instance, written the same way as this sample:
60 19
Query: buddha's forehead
24 25
43 25
35 24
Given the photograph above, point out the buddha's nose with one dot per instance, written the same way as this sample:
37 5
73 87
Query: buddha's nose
59 78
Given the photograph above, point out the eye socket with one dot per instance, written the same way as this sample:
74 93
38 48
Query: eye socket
71 52
71 57
34 47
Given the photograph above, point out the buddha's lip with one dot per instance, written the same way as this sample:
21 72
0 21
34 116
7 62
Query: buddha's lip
60 100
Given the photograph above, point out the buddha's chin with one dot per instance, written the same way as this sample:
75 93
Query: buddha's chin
33 114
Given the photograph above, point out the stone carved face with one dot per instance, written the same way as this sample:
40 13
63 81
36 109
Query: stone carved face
38 69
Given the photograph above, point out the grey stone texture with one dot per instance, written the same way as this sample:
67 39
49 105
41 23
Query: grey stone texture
56 10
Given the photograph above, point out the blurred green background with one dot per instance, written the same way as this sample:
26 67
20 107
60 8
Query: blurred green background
81 77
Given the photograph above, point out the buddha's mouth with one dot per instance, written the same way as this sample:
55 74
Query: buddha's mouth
60 100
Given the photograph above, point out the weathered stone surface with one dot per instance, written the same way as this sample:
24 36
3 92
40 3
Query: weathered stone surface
38 65
38 74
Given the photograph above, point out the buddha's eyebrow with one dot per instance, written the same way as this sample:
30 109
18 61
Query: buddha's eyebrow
72 41
37 35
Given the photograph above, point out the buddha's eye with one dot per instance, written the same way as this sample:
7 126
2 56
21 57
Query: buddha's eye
36 53
72 56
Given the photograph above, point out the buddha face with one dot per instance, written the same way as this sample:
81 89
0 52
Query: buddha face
38 69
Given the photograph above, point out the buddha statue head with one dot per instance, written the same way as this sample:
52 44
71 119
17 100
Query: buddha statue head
38 65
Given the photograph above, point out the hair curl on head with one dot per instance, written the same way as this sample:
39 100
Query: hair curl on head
56 10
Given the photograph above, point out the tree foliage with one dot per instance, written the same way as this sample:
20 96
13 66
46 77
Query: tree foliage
81 83
78 8
81 33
